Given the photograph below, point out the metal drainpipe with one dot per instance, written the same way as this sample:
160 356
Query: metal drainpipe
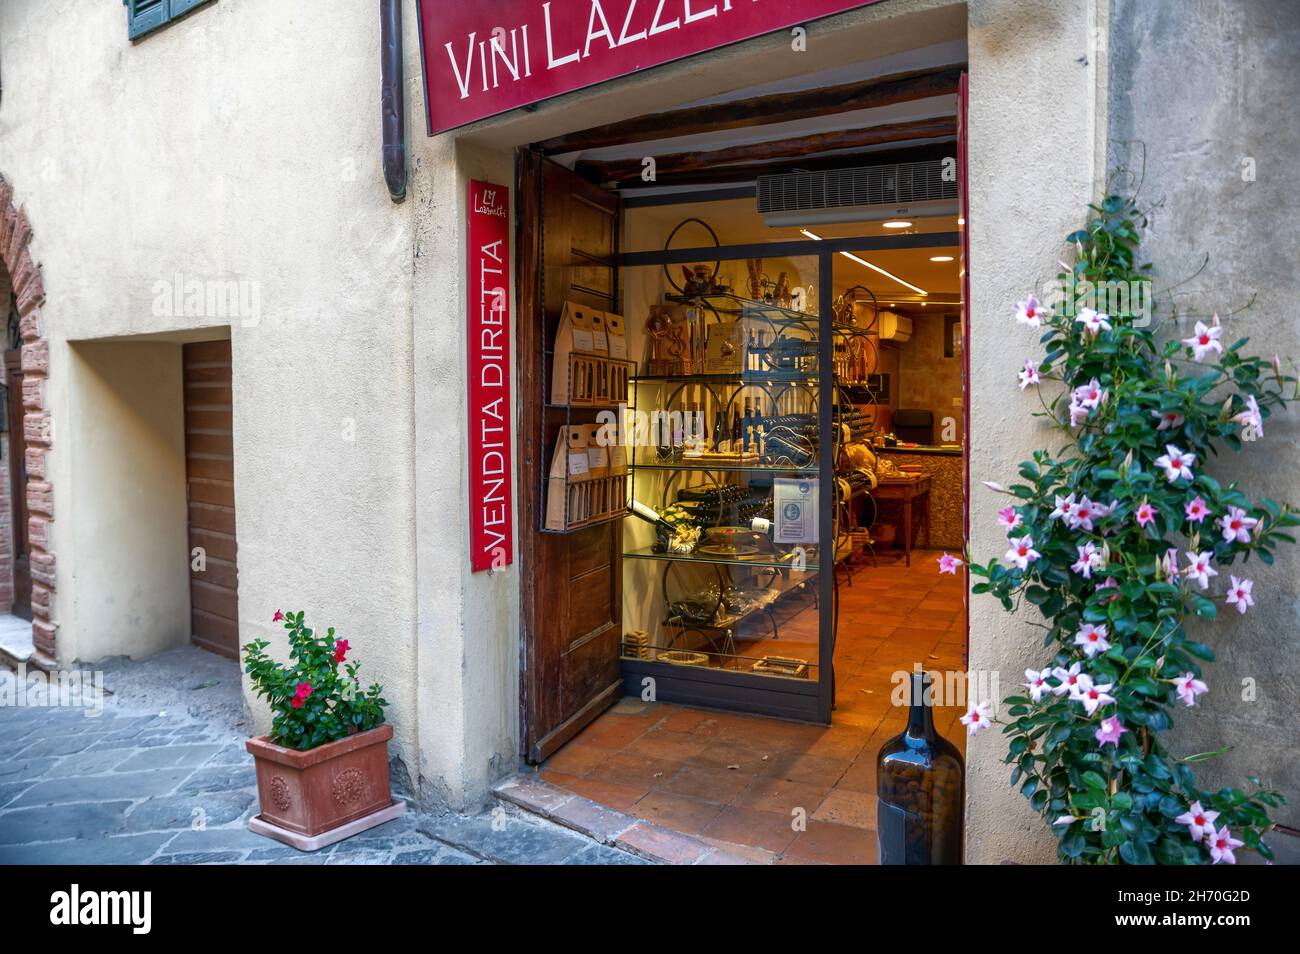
392 100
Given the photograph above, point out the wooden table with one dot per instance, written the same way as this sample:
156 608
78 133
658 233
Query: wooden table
906 490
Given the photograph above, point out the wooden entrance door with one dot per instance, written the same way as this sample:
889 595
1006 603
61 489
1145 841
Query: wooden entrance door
571 584
22 604
210 492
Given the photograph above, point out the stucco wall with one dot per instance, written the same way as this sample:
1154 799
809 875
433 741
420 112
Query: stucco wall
126 504
1034 88
238 144
1220 142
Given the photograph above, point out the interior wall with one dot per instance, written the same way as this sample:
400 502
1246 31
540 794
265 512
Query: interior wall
1218 144
927 379
126 437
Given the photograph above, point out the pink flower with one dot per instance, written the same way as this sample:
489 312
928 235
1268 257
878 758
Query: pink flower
1094 321
1078 413
341 651
1168 420
1146 514
976 718
1094 697
1189 687
1199 569
1196 510
1022 552
277 617
1090 559
1236 525
1008 519
1176 465
1082 515
1030 312
1037 684
1072 681
1205 340
1064 507
1110 731
1091 639
1169 565
1089 395
948 564
1239 595
1029 374
1199 822
1221 844
1251 421
301 694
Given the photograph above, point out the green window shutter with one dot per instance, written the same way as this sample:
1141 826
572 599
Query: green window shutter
184 6
143 16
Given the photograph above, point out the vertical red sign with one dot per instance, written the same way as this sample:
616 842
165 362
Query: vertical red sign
491 521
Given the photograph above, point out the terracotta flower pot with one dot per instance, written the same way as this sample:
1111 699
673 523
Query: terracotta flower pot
314 798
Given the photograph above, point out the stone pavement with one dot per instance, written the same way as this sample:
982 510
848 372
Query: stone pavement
163 786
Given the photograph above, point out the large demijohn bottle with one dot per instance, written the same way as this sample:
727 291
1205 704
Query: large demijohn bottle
920 777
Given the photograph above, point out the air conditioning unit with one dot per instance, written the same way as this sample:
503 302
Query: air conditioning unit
860 194
895 328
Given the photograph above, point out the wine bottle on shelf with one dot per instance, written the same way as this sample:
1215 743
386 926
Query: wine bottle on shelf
735 429
747 428
760 428
721 444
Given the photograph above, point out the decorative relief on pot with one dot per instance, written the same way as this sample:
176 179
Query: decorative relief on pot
349 787
280 793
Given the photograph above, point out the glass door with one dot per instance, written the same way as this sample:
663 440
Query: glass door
728 586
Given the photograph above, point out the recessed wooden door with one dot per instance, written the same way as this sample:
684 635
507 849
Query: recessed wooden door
210 492
571 584
22 603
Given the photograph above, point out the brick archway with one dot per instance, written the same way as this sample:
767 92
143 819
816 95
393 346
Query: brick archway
24 278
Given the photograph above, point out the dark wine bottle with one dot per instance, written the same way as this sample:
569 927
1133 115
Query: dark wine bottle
747 427
735 428
920 777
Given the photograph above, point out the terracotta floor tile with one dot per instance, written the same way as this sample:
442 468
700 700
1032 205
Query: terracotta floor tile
780 797
747 826
558 778
860 776
612 731
669 746
577 759
710 784
690 816
726 753
698 722
834 844
610 794
626 768
815 770
847 807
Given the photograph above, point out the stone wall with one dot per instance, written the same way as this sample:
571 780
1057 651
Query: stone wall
1203 101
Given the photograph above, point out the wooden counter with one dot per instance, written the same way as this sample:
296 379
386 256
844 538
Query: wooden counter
946 469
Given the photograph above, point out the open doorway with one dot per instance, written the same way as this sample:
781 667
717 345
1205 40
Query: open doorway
786 344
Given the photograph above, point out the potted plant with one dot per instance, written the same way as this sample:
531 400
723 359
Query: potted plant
322 773
1128 548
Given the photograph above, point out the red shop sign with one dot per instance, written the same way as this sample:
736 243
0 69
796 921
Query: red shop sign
491 533
483 58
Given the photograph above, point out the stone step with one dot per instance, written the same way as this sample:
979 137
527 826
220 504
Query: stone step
606 826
